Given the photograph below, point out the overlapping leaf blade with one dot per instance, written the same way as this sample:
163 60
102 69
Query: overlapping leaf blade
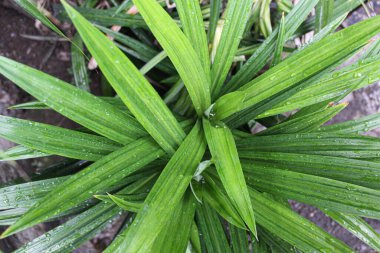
235 19
226 159
304 124
180 52
78 105
135 91
357 226
175 236
211 230
79 65
95 179
261 56
285 223
33 10
359 172
327 193
329 144
193 27
163 198
56 140
289 72
19 153
330 86
361 125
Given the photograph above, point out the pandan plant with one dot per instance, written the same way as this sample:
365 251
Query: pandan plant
177 155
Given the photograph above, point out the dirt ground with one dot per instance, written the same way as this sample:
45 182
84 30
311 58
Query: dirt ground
53 58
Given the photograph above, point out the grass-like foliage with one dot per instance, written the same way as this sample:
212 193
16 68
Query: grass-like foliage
177 163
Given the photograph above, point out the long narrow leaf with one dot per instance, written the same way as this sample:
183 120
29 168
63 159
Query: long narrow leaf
361 125
236 17
20 153
78 105
135 91
162 199
279 42
323 14
329 144
79 65
56 140
326 193
215 6
193 27
180 51
32 9
95 179
333 48
359 172
358 227
226 159
306 123
175 236
211 230
285 223
261 56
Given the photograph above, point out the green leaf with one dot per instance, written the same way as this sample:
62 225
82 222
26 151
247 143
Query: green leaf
215 6
10 216
79 65
74 232
328 29
163 198
129 206
239 240
135 91
32 9
95 179
235 18
331 49
361 125
124 5
286 224
318 191
56 140
20 153
323 14
25 195
38 105
261 247
352 146
306 123
225 156
175 236
78 105
211 230
108 17
358 227
359 172
329 86
81 228
153 62
220 203
292 227
192 24
264 18
141 50
180 52
261 56
280 42
274 241
194 239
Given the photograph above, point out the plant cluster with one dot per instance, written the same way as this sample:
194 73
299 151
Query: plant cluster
172 155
